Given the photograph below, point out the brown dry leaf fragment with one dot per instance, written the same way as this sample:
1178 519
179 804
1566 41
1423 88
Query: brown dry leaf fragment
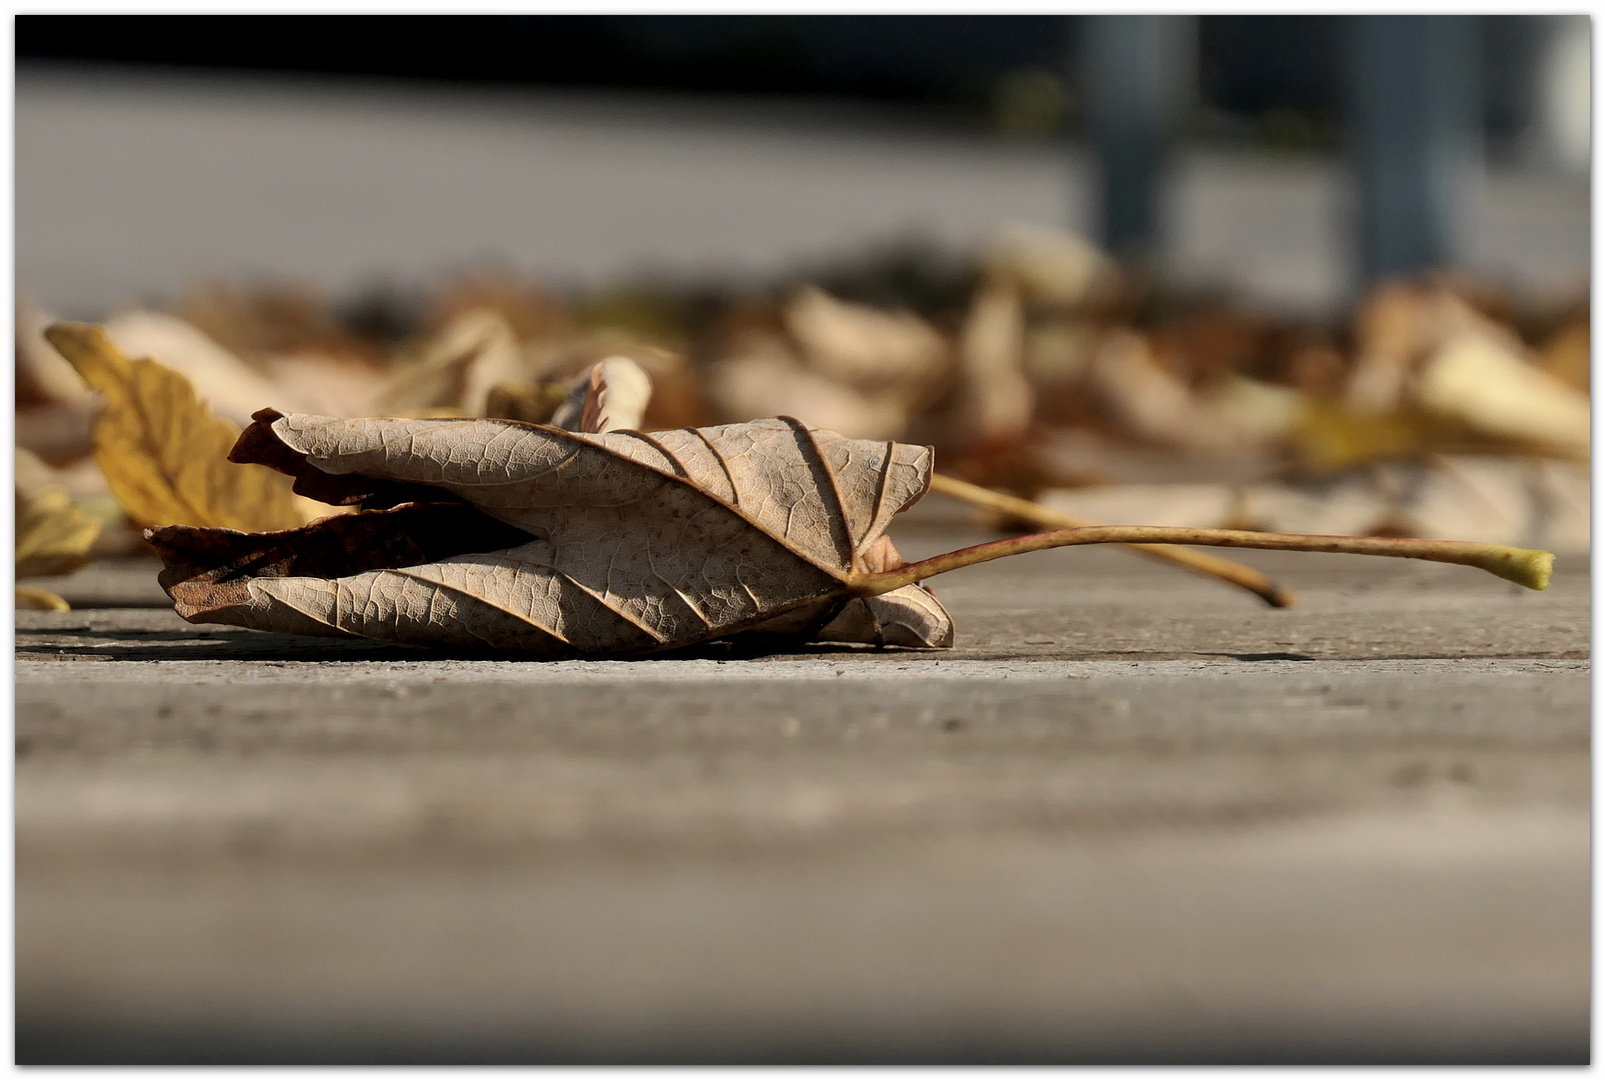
43 377
875 351
766 378
458 367
54 408
995 399
53 535
611 396
621 543
223 383
1052 267
164 456
1566 356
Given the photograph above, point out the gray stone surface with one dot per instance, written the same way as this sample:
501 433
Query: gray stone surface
1133 816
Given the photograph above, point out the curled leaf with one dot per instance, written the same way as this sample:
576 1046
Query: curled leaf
547 543
542 542
164 455
611 396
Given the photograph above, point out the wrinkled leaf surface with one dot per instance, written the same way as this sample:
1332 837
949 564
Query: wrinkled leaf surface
542 542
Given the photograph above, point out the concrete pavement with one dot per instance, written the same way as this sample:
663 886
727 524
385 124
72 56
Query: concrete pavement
1132 817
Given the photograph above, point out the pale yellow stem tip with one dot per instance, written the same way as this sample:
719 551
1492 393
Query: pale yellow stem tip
1523 566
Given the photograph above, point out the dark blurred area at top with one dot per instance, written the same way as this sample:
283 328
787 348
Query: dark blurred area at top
1274 81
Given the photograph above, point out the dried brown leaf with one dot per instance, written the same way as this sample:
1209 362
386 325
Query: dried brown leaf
164 456
1052 267
874 350
458 367
543 542
995 399
540 542
611 396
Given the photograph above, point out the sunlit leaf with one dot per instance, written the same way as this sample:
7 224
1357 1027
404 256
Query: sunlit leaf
53 535
164 456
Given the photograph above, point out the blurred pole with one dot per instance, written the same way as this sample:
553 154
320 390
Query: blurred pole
1136 70
1565 90
1413 135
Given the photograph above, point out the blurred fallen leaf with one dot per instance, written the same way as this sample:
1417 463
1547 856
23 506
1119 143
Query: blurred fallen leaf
31 598
55 410
611 396
1349 504
995 400
1567 355
1329 437
1563 494
53 536
164 456
44 378
1255 411
766 379
529 403
457 368
1057 353
1478 497
1394 326
222 382
868 348
1149 401
1050 266
1200 506
1484 383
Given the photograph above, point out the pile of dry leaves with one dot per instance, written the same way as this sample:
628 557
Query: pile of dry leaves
1440 409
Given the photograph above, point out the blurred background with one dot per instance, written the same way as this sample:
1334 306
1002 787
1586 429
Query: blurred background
1304 274
1301 273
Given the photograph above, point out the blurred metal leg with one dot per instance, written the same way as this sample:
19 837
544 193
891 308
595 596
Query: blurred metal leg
1136 68
1412 121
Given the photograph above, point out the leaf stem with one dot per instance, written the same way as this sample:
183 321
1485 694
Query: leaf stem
1523 566
1233 573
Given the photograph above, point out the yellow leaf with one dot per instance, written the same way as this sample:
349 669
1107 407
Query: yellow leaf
1329 438
164 455
53 535
31 599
